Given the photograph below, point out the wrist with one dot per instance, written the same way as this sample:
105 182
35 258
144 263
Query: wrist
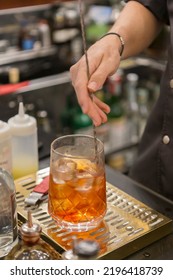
120 38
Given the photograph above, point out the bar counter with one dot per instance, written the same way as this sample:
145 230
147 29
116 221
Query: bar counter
161 249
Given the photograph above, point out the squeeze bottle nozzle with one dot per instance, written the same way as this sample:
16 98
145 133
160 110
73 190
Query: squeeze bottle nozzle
22 124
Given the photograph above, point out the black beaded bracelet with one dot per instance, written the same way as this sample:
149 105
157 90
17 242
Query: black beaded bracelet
119 36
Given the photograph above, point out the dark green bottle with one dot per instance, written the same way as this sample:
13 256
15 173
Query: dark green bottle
81 123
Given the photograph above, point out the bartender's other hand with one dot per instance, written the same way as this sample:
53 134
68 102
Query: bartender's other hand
104 59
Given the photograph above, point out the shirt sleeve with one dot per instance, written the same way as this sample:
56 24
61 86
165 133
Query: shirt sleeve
157 7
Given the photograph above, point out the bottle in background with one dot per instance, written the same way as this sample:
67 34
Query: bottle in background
26 38
45 33
5 147
116 117
132 105
14 75
8 214
24 143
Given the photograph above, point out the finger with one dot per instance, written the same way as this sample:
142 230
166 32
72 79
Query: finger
103 106
96 114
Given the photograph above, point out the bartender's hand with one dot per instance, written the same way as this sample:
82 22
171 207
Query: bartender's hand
104 59
138 27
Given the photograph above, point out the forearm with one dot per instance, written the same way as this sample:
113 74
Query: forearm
138 27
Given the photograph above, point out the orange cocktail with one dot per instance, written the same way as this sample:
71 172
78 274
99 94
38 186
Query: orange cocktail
77 189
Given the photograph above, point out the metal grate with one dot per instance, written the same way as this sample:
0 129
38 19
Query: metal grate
128 226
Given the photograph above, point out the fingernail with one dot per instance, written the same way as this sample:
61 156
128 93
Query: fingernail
93 86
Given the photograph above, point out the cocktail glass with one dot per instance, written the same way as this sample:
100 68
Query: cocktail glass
77 187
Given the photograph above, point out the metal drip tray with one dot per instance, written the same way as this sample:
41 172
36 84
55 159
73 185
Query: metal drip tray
128 226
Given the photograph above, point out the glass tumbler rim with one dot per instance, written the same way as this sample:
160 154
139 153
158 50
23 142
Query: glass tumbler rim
101 144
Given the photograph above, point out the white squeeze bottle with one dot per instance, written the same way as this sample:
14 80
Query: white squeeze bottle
24 143
5 147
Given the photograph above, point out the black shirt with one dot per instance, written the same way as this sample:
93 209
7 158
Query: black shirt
157 7
154 164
